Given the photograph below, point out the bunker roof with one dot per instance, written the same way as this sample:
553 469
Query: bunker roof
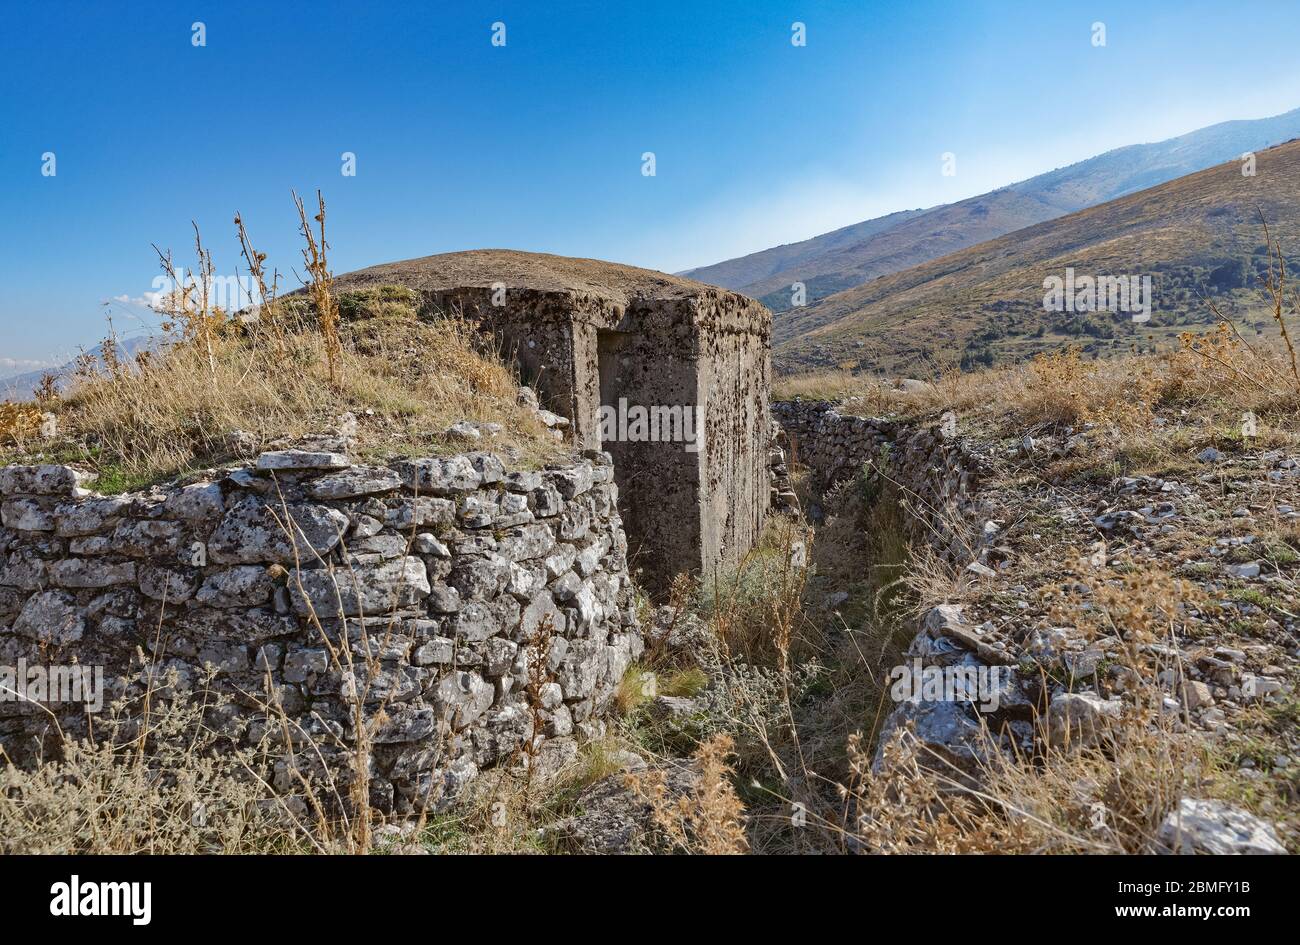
541 272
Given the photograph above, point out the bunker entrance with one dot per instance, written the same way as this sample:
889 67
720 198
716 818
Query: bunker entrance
613 368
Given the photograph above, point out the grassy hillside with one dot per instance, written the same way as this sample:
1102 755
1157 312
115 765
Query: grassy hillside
929 235
854 255
1198 237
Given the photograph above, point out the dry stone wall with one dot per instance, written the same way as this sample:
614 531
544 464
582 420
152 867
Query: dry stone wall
478 615
937 475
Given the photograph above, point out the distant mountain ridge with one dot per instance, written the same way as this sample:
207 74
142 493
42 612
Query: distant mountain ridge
22 386
1197 237
853 255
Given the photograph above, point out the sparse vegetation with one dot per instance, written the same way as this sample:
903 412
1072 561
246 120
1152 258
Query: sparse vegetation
709 820
171 785
219 386
19 423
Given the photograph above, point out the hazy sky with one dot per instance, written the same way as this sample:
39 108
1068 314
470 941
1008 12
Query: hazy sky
538 144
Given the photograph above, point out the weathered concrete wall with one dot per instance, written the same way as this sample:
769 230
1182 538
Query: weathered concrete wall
477 602
643 364
588 333
735 378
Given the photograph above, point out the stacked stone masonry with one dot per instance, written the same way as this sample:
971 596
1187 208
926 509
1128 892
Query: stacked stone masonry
938 476
450 578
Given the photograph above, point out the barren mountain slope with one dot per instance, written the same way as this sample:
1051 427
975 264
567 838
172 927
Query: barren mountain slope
853 255
1198 234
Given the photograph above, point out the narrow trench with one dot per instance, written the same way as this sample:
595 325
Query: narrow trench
855 622
858 592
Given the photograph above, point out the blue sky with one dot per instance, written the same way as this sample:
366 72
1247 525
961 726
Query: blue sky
537 145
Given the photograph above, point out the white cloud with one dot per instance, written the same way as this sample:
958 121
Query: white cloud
21 364
10 367
149 300
738 223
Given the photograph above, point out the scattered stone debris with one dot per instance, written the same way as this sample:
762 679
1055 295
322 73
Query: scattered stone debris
1043 547
674 707
835 600
678 632
1080 719
1213 827
464 430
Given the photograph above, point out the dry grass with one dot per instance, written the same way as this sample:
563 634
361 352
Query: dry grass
1221 371
406 381
293 368
19 423
188 309
754 609
1108 797
805 793
1216 372
683 683
1104 800
637 687
169 784
863 549
786 681
321 286
832 385
709 819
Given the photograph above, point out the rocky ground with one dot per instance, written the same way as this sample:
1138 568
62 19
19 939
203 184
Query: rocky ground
1214 529
1132 555
1140 586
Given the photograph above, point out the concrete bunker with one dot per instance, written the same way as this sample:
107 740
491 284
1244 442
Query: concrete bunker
671 376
